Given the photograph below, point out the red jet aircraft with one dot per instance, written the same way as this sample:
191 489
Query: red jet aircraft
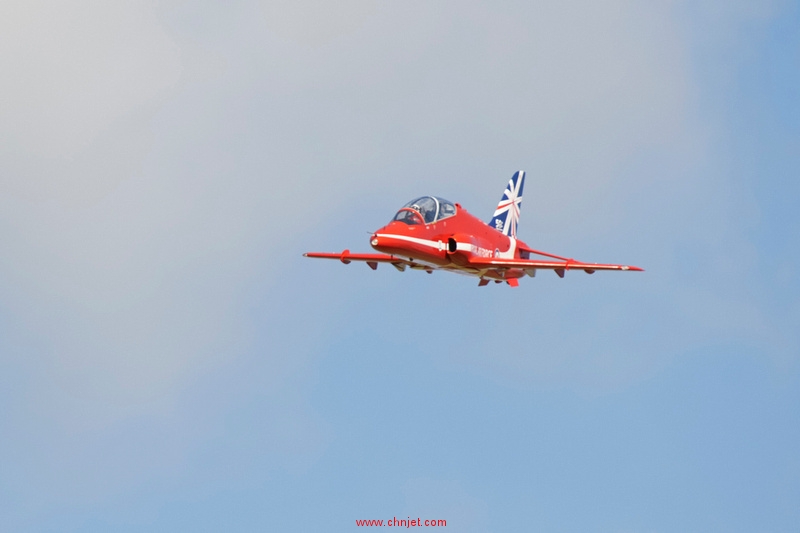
430 233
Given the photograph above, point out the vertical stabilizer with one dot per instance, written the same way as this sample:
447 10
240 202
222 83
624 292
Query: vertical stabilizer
506 216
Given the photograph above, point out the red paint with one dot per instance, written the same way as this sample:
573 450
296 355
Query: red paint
461 243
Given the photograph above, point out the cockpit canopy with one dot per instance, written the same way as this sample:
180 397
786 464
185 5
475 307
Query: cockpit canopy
425 209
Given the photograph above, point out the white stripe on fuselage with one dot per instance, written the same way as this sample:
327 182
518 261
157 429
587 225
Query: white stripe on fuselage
509 254
461 246
439 245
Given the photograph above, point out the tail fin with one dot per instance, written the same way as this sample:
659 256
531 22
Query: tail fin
506 216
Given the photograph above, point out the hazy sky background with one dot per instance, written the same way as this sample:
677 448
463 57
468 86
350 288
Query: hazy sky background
170 362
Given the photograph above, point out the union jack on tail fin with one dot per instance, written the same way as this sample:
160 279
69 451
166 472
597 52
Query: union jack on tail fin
506 216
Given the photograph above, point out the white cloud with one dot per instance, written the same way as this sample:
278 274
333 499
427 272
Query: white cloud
143 205
158 164
78 78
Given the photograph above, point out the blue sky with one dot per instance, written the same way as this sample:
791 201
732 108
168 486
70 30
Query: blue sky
170 362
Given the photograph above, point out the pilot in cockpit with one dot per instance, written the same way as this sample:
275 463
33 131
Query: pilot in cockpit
426 209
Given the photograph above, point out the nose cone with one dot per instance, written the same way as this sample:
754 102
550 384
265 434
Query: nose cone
375 241
381 239
381 235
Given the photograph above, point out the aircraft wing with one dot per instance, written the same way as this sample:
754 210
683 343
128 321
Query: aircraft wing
370 259
560 267
527 265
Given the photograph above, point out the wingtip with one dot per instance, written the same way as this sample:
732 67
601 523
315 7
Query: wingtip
637 269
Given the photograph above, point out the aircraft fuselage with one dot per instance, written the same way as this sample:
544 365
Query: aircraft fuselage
449 243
